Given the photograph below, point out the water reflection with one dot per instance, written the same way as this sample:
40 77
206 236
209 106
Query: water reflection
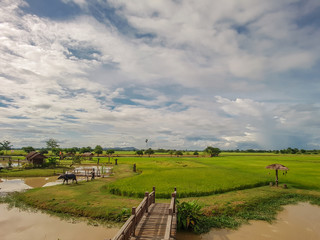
296 222
39 226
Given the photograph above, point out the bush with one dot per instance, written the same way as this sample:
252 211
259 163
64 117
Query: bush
52 161
189 216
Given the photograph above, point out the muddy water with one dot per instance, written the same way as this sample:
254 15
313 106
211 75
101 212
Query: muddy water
13 185
296 222
16 224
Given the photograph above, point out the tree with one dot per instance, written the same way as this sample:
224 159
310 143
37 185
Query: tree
85 149
214 152
139 153
71 151
196 153
171 152
52 143
110 152
43 151
98 150
6 145
28 149
179 153
149 152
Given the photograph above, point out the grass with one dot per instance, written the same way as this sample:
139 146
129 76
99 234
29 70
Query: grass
206 176
231 188
37 172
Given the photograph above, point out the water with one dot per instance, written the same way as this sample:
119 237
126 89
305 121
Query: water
295 222
24 225
17 185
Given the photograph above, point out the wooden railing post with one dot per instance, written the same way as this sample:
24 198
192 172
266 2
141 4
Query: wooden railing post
173 195
154 195
147 200
133 212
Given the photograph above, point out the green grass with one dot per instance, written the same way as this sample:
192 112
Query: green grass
37 172
206 176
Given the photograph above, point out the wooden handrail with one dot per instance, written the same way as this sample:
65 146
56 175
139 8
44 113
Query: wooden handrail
128 229
172 210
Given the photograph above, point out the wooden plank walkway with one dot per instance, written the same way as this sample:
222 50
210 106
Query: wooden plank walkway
153 224
151 220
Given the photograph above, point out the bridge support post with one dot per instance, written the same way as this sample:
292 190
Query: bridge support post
154 195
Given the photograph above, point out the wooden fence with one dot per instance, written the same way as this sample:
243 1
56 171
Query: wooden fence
172 212
128 229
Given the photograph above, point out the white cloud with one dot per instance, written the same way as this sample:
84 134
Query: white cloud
195 78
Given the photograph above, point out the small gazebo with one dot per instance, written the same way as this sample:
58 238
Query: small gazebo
277 167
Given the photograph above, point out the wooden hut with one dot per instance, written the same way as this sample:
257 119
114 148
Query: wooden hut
35 158
87 155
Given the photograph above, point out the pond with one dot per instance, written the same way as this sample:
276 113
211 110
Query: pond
295 222
16 224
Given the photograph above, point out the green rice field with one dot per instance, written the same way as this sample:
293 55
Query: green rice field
207 176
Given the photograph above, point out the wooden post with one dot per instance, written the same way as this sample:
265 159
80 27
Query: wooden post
277 181
133 212
173 195
146 194
134 167
116 161
154 195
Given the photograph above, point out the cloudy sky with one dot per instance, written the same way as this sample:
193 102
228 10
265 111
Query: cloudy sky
183 74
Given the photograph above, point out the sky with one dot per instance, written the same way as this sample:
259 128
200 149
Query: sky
183 74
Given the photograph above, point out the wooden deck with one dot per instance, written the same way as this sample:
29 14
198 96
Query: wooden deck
153 225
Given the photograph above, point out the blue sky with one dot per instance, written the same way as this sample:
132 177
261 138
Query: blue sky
183 74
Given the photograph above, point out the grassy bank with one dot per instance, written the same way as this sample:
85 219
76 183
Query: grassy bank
38 172
230 210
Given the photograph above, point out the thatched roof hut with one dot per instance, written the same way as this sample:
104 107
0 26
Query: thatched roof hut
87 155
35 157
277 166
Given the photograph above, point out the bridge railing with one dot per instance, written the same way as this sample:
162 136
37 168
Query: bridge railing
128 229
172 212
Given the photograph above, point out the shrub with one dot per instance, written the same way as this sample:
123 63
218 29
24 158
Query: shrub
189 215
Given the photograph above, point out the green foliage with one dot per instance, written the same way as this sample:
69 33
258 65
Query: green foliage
71 151
139 153
214 152
5 145
149 152
52 161
28 149
123 215
43 151
76 159
179 153
56 151
189 215
85 149
52 143
98 150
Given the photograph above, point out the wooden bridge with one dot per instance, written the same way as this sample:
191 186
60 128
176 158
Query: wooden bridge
151 220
